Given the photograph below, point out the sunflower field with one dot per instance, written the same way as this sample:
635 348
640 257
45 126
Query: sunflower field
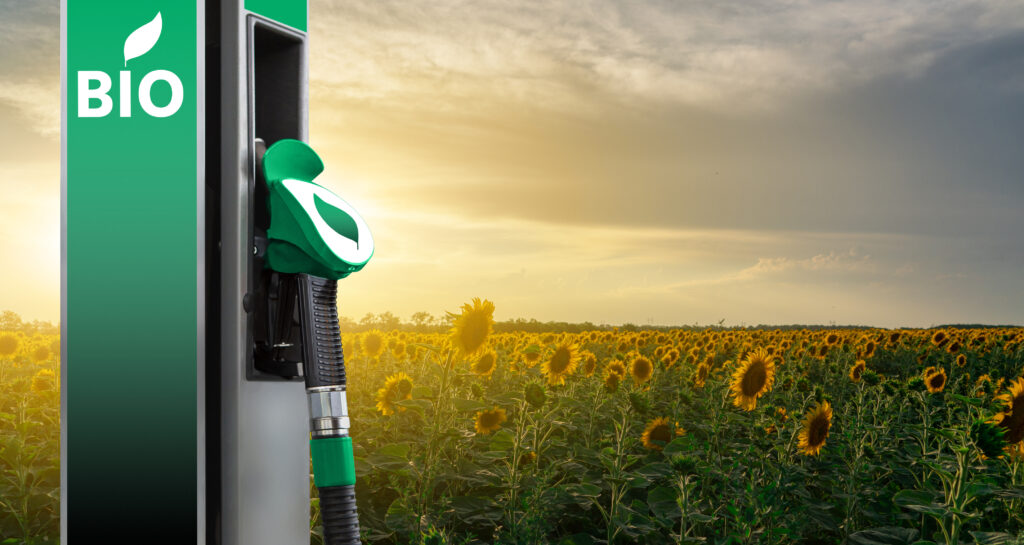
29 437
698 435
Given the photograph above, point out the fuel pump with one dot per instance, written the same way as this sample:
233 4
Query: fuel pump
314 239
199 269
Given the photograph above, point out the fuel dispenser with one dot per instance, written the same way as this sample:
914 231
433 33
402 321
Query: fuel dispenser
202 367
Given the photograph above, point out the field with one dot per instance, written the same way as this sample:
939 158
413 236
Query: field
650 436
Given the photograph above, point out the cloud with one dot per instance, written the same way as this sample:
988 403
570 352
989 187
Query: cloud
37 102
848 261
30 65
724 55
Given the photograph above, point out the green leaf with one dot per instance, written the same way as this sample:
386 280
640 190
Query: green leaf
422 392
993 538
679 445
977 402
577 539
427 347
501 440
920 501
663 503
1015 492
585 490
400 518
885 535
417 405
400 450
469 405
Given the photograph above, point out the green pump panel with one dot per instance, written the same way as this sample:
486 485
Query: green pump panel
188 194
132 311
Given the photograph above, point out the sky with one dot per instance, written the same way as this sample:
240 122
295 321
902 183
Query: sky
645 162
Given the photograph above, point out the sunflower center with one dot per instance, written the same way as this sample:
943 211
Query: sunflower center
937 380
560 361
489 419
754 379
818 432
485 363
474 332
661 433
1014 421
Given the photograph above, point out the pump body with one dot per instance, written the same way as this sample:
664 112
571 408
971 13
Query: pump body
175 298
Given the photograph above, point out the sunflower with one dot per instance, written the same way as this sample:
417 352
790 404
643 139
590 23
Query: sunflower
485 364
657 434
527 457
411 350
815 430
488 421
562 363
953 347
935 379
471 328
398 349
961 360
531 355
753 378
641 369
832 339
939 338
781 413
869 349
616 367
1012 416
40 354
701 375
671 357
611 380
8 344
397 387
42 381
589 362
857 370
373 344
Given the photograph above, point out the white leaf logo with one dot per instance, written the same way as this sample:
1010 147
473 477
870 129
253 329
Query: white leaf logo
143 39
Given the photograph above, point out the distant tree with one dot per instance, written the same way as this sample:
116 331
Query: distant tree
421 319
10 321
346 324
388 321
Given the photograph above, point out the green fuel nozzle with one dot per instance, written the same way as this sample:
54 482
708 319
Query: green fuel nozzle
314 239
312 230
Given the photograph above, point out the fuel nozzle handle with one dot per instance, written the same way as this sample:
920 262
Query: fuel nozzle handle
330 446
318 237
